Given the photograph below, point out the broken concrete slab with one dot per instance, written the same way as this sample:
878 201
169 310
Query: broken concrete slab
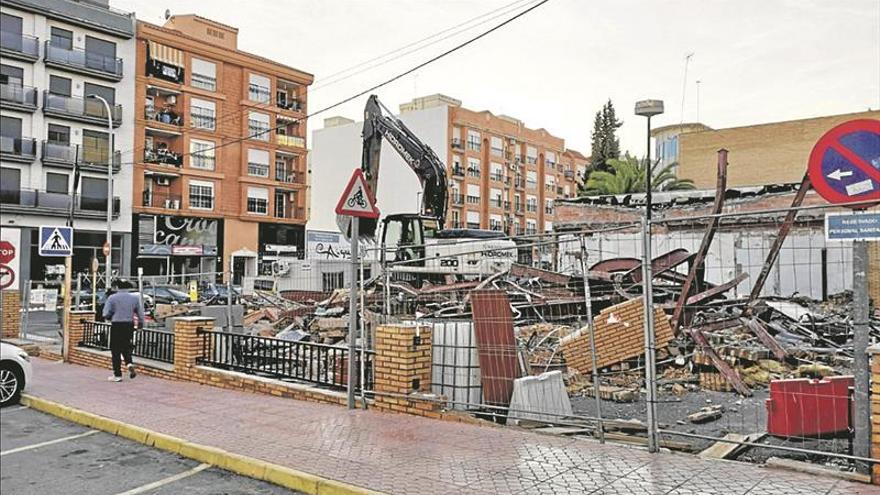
540 398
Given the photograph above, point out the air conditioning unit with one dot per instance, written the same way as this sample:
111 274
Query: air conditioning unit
171 99
291 196
162 180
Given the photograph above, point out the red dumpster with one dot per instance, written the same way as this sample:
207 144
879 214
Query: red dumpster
806 407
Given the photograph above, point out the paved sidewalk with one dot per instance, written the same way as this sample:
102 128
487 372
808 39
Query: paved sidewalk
405 454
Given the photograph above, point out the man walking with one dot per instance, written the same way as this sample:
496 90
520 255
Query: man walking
121 309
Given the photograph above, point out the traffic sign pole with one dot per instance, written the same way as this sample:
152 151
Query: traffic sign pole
353 310
862 441
65 323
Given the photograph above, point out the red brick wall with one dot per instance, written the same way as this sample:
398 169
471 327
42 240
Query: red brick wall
10 314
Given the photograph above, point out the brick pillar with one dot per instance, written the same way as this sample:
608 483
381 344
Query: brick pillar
874 272
874 356
10 314
77 323
187 342
402 370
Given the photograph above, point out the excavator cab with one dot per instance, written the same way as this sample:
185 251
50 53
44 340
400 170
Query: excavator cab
404 236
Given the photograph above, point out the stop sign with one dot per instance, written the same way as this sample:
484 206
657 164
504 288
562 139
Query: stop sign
7 252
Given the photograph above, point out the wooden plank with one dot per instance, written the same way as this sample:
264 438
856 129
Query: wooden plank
722 367
758 328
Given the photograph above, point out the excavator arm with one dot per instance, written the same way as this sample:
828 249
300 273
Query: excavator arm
419 156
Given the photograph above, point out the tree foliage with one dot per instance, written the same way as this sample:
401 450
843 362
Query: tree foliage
605 144
627 175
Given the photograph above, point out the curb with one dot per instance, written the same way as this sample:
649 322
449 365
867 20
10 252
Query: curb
236 463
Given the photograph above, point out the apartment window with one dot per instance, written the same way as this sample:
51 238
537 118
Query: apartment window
94 194
548 206
100 54
473 142
61 38
10 185
258 200
548 226
59 85
201 195
473 194
494 222
201 154
258 126
497 172
204 74
550 158
456 164
531 204
259 88
95 107
473 167
456 219
95 147
258 163
549 182
473 219
13 76
497 146
532 180
531 227
56 183
531 155
58 134
496 197
203 114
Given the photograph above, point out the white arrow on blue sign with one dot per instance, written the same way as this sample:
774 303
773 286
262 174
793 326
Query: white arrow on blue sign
56 241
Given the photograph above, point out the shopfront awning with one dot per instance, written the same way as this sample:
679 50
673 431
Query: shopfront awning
166 54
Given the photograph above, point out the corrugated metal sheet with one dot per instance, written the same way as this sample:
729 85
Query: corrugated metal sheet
540 398
496 344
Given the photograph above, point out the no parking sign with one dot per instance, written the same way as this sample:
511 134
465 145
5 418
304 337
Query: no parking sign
844 165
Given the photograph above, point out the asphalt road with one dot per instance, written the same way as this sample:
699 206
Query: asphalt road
44 455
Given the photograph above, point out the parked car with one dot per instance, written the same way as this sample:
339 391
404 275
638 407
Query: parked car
217 294
166 295
15 373
85 301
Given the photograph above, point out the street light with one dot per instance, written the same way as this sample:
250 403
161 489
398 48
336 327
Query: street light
109 241
649 108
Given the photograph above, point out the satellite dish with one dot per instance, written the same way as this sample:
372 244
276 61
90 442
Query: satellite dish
167 14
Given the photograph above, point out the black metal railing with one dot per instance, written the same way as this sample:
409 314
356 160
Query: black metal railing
164 157
320 364
161 199
148 344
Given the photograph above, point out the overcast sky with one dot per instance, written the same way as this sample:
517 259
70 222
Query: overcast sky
758 61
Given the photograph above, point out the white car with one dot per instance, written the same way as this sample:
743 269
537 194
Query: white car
15 373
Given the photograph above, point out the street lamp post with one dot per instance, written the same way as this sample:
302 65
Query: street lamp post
649 108
109 241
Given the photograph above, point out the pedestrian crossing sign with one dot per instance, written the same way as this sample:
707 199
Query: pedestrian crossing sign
56 241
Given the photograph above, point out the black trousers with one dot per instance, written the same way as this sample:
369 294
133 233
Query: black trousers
120 345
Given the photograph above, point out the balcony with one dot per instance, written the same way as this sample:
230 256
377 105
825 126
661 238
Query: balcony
163 157
456 144
289 176
569 174
457 199
87 110
496 177
35 202
163 200
18 97
548 210
83 62
58 154
19 46
457 172
292 104
23 150
496 202
290 141
519 184
163 116
95 159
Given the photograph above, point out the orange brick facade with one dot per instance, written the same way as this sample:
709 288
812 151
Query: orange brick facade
173 154
874 355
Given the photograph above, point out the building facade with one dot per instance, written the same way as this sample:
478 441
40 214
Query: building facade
502 175
221 173
54 55
774 153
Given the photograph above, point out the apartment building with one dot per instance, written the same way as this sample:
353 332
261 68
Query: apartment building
759 154
221 173
54 55
502 175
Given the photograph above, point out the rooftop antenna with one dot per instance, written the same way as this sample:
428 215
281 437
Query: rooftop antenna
687 60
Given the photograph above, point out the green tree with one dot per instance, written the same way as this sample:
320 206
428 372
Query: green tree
627 175
605 144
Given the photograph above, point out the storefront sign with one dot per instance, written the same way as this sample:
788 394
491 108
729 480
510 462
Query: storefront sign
327 246
187 250
180 231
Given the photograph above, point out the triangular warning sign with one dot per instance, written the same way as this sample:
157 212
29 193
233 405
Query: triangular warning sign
357 199
55 242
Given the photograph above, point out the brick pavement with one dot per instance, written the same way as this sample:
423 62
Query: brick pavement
397 453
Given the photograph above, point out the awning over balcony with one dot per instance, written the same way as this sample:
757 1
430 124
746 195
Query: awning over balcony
165 54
